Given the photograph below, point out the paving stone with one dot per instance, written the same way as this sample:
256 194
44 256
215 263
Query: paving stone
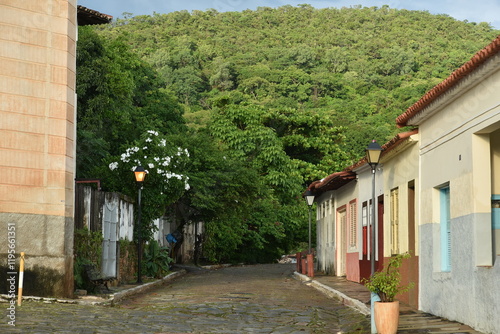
246 299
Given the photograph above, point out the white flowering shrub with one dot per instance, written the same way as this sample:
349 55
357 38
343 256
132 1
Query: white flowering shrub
165 181
155 160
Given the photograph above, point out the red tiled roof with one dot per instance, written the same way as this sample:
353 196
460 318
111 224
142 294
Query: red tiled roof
332 181
398 139
477 60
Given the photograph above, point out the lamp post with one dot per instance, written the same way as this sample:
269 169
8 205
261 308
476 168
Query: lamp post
310 261
140 174
310 200
373 152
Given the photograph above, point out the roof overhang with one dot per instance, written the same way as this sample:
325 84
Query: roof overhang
88 16
332 182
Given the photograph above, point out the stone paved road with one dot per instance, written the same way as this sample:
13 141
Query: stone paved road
250 299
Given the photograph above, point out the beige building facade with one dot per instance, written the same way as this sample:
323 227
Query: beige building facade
37 149
38 141
400 218
345 224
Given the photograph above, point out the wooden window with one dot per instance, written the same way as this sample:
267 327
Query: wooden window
364 220
444 211
395 221
353 226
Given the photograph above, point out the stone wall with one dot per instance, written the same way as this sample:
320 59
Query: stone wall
37 150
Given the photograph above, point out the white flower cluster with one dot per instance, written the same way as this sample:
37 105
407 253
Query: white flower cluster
160 163
181 151
113 165
125 157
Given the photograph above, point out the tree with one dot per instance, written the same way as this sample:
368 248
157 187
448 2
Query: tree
274 99
119 98
165 164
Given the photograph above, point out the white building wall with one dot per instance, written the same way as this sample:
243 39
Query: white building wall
325 232
365 184
455 149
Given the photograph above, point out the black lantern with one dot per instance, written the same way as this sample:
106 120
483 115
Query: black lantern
373 152
310 200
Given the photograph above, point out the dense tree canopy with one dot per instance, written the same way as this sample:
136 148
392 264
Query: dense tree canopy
265 101
357 67
119 98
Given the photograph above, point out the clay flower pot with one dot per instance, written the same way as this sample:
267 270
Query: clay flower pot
386 317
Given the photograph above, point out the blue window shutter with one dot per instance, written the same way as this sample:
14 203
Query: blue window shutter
445 228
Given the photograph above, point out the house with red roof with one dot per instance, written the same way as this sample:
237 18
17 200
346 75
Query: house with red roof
437 196
345 225
459 192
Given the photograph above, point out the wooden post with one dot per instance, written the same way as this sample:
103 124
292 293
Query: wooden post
303 266
310 265
21 278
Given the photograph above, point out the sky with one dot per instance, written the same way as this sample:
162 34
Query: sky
470 10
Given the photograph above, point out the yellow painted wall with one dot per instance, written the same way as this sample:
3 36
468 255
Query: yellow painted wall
401 168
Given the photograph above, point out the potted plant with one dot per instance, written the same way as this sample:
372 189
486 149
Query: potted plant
387 284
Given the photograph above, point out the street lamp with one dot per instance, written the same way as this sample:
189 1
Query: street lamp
373 152
140 174
310 261
310 200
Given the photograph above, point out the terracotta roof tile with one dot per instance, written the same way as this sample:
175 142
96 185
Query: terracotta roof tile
477 60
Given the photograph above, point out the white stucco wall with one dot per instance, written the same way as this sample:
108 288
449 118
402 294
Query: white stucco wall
455 150
365 184
327 232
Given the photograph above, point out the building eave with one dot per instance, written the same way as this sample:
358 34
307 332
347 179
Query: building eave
87 16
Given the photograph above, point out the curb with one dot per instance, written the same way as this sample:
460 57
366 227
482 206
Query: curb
117 297
332 293
113 298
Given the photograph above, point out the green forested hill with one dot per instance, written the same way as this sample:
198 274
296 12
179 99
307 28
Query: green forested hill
273 99
361 67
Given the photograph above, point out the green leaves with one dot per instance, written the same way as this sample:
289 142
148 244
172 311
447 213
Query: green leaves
119 98
274 99
156 260
386 283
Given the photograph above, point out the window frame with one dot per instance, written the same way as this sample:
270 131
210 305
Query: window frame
445 228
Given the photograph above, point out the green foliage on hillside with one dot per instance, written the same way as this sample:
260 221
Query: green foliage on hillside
360 67
120 97
272 99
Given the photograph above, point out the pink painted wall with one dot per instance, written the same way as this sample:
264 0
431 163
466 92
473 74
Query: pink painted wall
352 267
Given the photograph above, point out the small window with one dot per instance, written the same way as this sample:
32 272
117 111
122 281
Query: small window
364 219
444 223
394 221
353 226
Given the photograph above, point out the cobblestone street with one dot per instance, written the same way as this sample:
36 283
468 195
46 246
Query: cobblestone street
249 299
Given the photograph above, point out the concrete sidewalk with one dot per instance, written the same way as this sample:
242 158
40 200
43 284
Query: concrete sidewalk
356 296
